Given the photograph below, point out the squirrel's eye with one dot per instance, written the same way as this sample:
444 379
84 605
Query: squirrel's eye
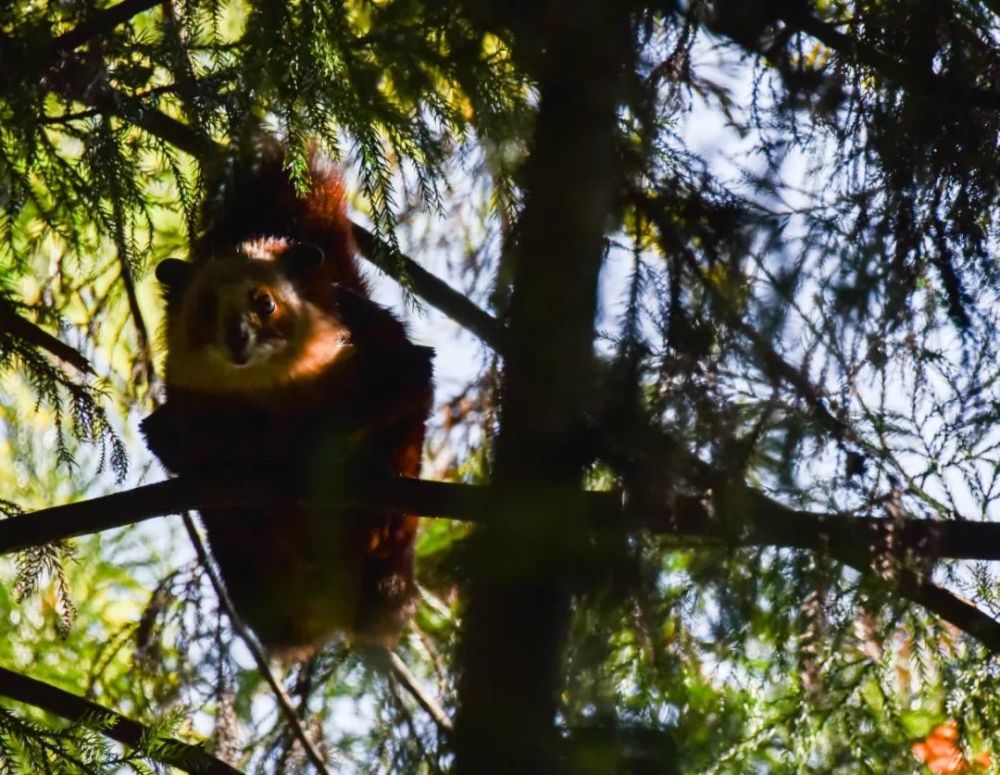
263 304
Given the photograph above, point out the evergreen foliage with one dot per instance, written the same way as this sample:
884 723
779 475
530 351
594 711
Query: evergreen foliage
793 206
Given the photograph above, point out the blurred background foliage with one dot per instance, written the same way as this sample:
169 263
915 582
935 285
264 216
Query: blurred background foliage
799 291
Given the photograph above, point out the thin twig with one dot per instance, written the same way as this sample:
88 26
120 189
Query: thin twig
284 701
424 700
135 311
404 711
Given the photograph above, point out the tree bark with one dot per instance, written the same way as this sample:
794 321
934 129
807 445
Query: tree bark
519 594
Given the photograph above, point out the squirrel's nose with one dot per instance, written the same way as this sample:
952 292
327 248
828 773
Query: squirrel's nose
237 339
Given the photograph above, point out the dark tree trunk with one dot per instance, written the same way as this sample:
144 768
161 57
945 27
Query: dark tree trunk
519 595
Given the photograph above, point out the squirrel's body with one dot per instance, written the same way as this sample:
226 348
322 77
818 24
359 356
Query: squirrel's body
280 366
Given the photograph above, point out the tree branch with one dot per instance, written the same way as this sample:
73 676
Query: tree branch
135 311
762 521
401 268
99 24
184 756
186 138
799 18
23 59
256 650
17 326
861 541
175 496
434 291
771 362
960 613
890 67
402 673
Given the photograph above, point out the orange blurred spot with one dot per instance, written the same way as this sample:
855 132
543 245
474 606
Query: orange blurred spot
941 753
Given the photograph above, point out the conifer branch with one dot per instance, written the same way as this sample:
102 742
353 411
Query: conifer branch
184 756
82 82
256 650
431 289
17 326
958 612
892 68
771 361
209 153
798 18
100 23
182 136
41 59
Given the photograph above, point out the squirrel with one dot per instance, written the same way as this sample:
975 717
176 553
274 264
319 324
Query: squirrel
279 364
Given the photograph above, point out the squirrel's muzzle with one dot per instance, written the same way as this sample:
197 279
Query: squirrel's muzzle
239 339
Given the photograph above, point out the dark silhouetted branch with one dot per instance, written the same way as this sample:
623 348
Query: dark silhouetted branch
434 291
101 23
28 58
890 67
176 496
762 521
17 326
915 78
184 756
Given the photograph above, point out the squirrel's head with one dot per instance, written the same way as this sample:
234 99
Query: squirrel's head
242 323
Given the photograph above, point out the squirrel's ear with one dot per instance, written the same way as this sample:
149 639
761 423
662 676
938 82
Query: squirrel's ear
299 260
174 275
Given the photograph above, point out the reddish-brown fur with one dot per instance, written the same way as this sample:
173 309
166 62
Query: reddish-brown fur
333 390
